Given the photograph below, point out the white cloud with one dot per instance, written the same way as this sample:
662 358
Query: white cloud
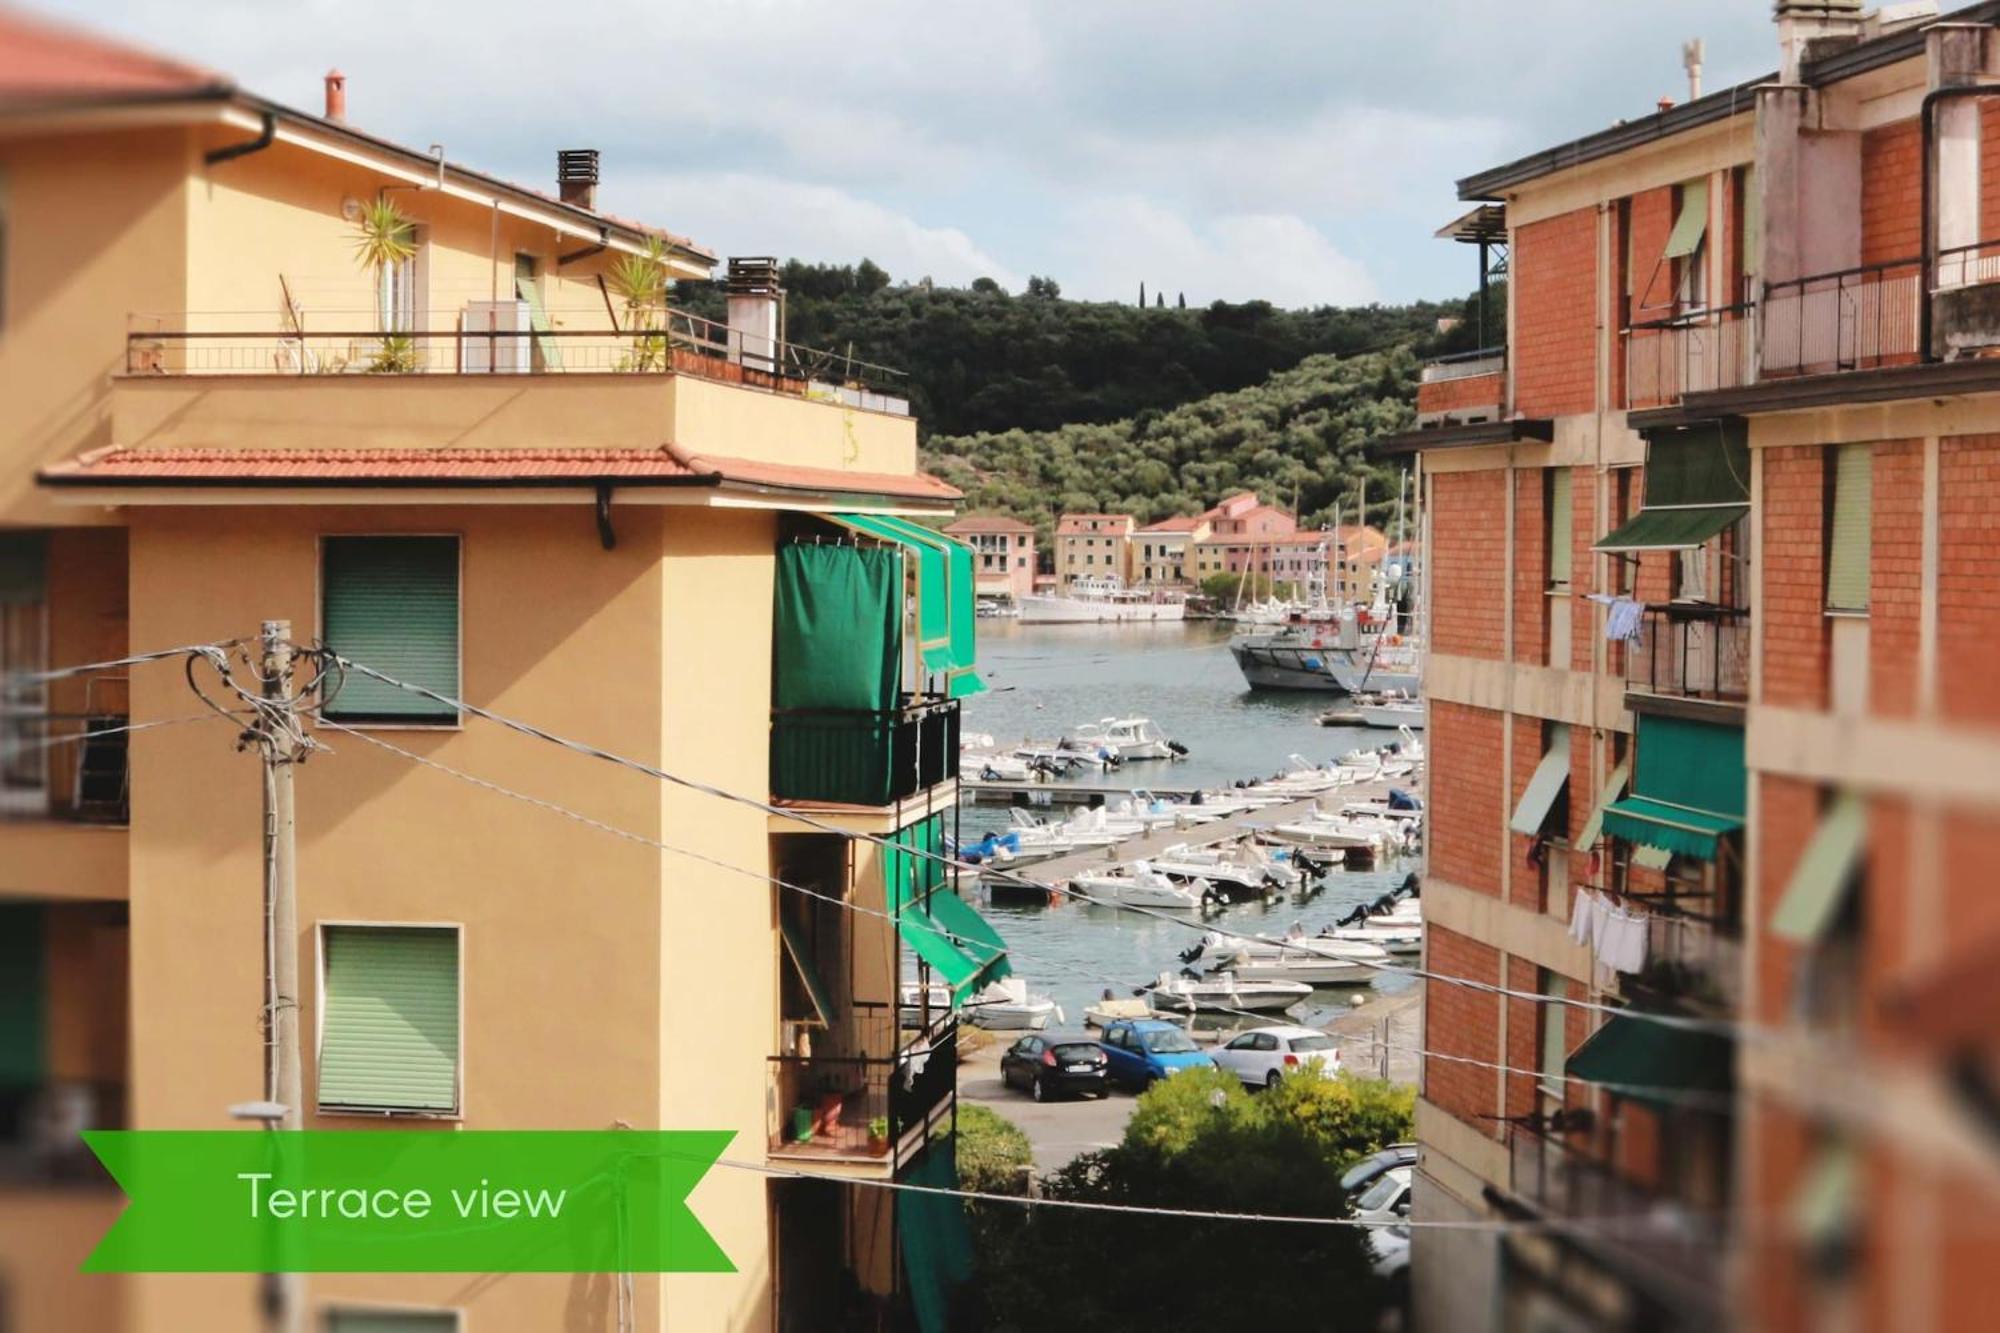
1116 242
749 214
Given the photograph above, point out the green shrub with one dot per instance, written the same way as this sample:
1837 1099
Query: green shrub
991 1151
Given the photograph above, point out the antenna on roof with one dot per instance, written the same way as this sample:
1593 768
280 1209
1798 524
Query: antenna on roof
1691 53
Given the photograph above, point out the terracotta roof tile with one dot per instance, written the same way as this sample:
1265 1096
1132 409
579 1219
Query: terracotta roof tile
664 465
42 62
1178 523
989 523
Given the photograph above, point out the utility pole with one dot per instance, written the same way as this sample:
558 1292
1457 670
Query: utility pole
278 737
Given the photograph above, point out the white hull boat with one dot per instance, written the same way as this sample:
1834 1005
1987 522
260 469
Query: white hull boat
1139 886
1110 1009
1224 994
1129 738
1306 966
1390 712
1097 601
1004 1006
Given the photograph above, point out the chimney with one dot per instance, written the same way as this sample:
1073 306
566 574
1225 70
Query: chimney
576 176
1808 30
336 95
754 295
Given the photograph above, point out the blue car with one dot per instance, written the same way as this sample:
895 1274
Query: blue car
1144 1050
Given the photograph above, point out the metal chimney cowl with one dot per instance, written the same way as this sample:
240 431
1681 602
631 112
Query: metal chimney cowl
576 176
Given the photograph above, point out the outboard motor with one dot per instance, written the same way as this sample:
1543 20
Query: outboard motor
1412 886
1188 955
1178 749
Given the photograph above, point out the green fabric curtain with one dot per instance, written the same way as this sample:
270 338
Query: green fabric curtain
23 996
945 597
943 929
1693 764
1825 873
934 1236
838 628
1653 1062
972 935
1669 828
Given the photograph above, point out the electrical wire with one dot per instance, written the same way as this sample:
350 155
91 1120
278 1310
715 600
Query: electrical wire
1694 1100
1728 1027
20 678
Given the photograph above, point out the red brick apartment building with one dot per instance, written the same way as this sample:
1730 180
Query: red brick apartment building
1747 419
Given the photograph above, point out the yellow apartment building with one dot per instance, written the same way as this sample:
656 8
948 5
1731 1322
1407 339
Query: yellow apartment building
478 469
1093 546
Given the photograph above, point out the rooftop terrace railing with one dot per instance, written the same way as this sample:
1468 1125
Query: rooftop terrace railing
512 339
1849 319
1464 365
1694 352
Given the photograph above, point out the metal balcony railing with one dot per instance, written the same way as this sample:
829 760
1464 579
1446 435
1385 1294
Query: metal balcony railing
1693 652
1849 319
1692 963
583 340
875 1091
864 758
1695 352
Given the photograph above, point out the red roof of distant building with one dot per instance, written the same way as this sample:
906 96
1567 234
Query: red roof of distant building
989 523
1178 523
460 467
42 62
1070 525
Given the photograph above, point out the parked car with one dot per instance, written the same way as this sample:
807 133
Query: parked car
1263 1056
1386 1202
1388 1199
1364 1172
1049 1064
1145 1050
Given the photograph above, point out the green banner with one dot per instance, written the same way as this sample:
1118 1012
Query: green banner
408 1201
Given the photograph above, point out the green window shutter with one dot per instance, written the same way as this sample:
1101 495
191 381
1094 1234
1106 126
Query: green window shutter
1559 526
391 603
1848 531
23 996
24 559
391 1321
1555 1049
1692 223
389 1021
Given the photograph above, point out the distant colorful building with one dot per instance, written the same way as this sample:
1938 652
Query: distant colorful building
1093 546
1160 550
1006 554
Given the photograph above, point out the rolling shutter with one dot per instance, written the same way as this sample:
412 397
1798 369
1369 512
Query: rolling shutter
391 603
1848 528
23 996
389 1028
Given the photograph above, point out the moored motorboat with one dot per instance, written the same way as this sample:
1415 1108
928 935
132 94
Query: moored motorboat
1315 961
1138 885
1223 994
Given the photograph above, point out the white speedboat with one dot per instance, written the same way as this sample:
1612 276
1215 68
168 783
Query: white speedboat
1129 738
1389 710
1315 961
1004 1006
1222 994
1112 1008
1139 885
1244 865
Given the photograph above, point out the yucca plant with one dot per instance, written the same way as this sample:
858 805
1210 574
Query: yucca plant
640 283
384 238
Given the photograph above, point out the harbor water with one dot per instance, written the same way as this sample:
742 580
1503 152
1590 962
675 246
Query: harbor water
1044 680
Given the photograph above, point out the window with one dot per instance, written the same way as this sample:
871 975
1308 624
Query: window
1555 1047
1687 247
23 647
1557 514
388 1034
392 603
398 290
1849 520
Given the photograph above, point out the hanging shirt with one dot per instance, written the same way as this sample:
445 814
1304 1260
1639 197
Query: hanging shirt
1622 943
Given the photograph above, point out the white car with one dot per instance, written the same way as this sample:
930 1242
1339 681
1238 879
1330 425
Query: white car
1262 1057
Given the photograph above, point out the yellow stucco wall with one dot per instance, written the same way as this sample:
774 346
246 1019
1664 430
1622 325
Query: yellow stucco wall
96 227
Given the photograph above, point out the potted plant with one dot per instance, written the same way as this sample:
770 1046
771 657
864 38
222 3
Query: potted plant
878 1136
802 1123
384 238
640 283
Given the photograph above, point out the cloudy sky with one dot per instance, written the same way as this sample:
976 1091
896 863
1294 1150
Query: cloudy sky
1296 150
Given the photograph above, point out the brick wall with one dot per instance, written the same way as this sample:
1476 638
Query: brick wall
1531 569
1554 291
1989 166
1890 190
1524 1033
1466 391
1464 839
1895 576
1885 911
1650 279
1462 1022
1968 599
1468 562
1788 813
1792 619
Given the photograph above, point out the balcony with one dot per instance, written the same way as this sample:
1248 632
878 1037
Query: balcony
851 757
1695 352
40 1125
1693 964
1463 388
503 338
871 1098
1672 1248
1849 319
1691 651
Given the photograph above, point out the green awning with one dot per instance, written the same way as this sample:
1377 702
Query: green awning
1699 765
1824 874
1676 529
795 949
1823 1209
1614 787
946 637
1671 828
1692 223
1654 1062
1544 786
962 948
